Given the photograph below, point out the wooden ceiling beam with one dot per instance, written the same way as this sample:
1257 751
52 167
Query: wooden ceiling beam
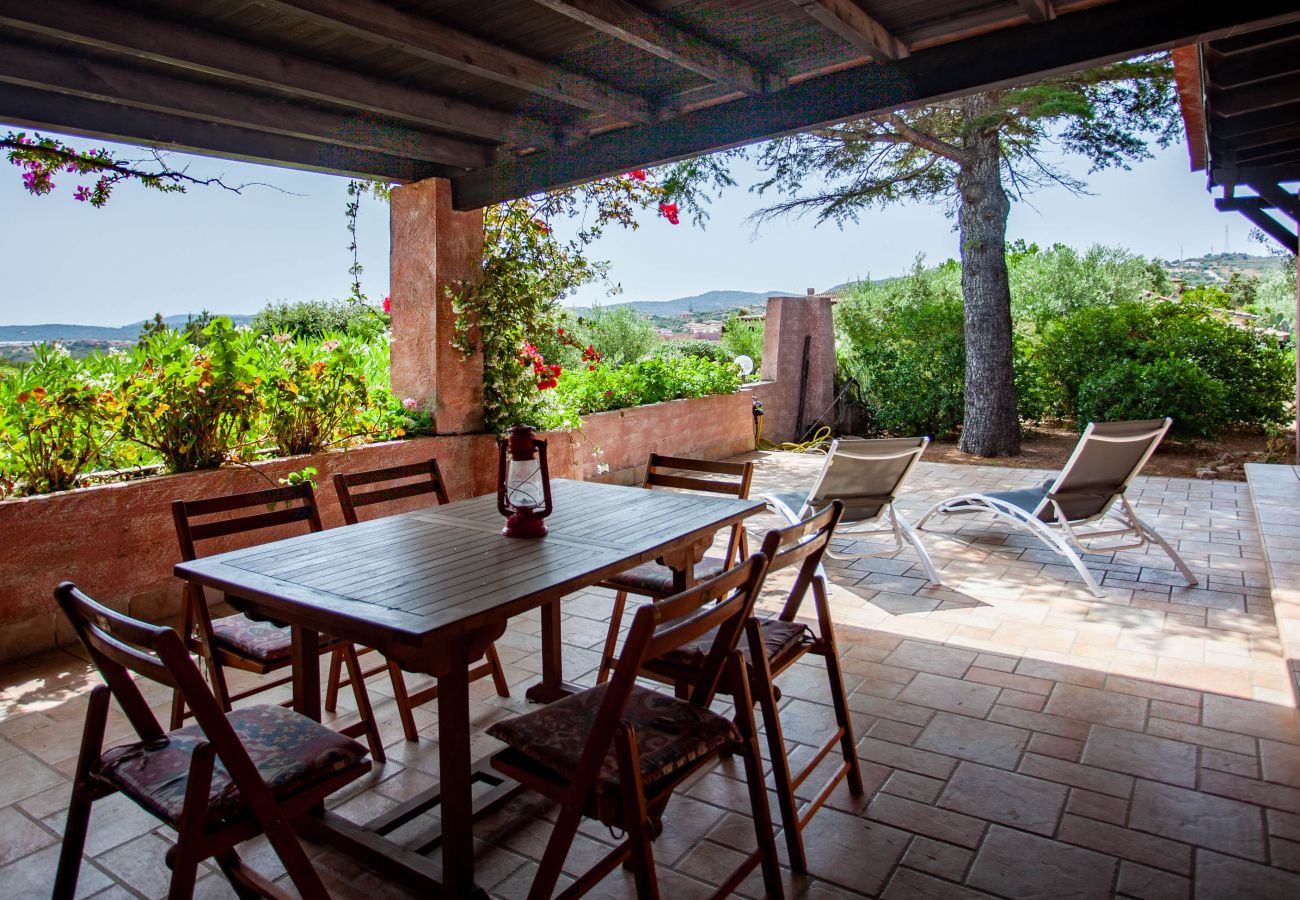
1280 197
1038 10
1255 40
1250 68
1091 36
846 18
632 25
241 62
108 82
27 107
1259 96
1231 127
1254 209
424 38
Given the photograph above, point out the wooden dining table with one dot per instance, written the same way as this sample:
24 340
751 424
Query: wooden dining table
431 589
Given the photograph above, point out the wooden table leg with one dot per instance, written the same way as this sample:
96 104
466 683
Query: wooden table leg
551 687
306 672
454 766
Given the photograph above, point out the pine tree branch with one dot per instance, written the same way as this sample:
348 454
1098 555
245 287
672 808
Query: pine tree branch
929 141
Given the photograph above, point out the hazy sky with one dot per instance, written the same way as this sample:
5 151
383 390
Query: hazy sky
64 261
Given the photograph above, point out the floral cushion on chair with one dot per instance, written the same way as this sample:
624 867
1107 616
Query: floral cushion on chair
264 641
779 640
652 578
670 734
290 752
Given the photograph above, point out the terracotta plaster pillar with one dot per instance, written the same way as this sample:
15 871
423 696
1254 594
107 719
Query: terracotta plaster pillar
434 247
793 324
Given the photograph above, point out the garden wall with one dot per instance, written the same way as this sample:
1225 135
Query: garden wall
118 543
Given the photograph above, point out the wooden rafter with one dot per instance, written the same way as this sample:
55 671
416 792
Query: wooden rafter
1038 10
1280 197
1255 209
108 82
243 63
1088 37
633 25
846 18
425 38
29 107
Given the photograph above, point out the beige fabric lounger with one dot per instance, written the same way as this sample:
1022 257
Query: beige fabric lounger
1108 456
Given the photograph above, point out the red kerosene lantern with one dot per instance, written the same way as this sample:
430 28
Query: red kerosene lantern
523 484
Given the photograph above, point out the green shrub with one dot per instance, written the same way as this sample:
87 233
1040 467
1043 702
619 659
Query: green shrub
581 392
1047 284
901 343
619 333
742 338
314 319
1129 389
56 418
711 350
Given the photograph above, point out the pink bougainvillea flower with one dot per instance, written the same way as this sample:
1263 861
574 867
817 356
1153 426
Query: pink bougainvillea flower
669 212
82 194
388 304
409 403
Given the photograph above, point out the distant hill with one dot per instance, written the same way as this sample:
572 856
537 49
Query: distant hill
706 302
1217 268
54 332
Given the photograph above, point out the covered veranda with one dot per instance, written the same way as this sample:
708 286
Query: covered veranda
1020 738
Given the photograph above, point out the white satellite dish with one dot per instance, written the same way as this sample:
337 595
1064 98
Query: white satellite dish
746 364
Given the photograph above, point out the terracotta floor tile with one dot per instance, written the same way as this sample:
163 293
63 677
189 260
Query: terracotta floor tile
935 659
1251 791
949 694
973 739
1104 781
1026 867
852 852
1191 817
1146 883
914 787
1143 755
1225 876
1093 705
1281 762
941 824
909 884
1102 807
1235 763
1028 803
1126 844
937 858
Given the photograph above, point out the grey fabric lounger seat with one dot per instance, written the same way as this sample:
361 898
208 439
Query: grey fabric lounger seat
866 476
1089 489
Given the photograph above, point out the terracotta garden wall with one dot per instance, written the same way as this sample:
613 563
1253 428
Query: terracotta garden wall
118 543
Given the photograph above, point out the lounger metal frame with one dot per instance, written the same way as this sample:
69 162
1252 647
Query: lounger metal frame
1060 533
903 532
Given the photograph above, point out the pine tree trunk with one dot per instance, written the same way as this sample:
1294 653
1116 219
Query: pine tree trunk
991 426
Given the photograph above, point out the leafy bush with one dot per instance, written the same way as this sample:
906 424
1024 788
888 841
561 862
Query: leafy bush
619 333
712 350
192 405
56 417
318 318
1256 378
1128 389
741 338
1046 284
582 392
902 345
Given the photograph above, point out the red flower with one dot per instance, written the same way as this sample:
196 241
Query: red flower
638 174
388 304
547 384
669 212
560 332
541 226
556 370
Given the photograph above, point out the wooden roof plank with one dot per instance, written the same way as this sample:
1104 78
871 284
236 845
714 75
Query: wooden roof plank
846 18
33 108
633 25
1088 37
425 38
146 37
97 80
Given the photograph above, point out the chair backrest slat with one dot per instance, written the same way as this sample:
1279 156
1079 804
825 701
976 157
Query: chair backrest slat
666 472
429 482
865 475
278 506
724 603
1108 456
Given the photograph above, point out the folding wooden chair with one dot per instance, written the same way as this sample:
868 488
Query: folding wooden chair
220 781
237 641
656 581
617 751
420 478
773 646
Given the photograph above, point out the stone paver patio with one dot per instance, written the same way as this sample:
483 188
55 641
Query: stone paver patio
1018 737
